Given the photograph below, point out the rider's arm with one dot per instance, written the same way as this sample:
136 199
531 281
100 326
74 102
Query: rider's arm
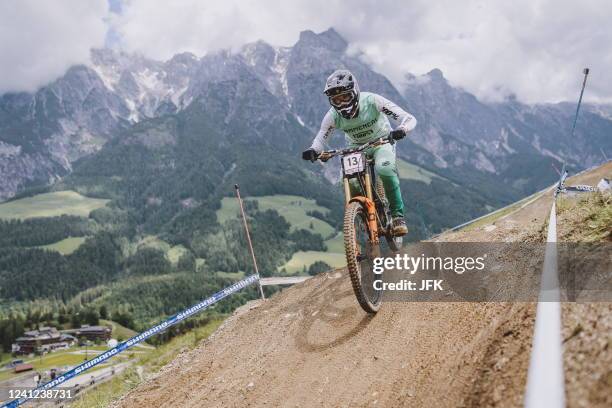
327 129
406 121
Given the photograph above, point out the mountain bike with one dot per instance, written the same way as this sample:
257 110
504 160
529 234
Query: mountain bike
367 219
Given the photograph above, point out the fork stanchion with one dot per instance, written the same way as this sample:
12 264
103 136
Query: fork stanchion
248 236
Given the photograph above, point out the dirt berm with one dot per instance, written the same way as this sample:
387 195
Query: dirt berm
311 345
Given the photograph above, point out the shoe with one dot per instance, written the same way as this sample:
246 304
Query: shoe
399 226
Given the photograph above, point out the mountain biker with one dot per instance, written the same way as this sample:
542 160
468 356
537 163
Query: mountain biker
363 118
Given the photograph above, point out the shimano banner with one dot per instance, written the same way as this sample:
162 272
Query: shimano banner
141 337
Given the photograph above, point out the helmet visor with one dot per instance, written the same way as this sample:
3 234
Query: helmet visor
341 99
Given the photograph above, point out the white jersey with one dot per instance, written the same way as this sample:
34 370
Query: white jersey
371 122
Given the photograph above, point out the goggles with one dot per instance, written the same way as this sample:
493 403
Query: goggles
341 99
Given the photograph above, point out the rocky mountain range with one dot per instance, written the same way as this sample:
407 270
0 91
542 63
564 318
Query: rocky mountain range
259 86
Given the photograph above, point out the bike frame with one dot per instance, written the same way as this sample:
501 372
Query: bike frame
365 177
367 202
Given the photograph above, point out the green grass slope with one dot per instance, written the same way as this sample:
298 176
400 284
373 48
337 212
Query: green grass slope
65 246
50 205
293 208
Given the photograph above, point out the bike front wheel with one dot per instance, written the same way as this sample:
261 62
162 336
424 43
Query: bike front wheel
360 254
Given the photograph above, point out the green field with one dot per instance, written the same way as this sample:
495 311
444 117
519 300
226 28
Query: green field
293 208
173 253
152 241
336 243
409 171
334 256
65 246
51 205
231 275
302 259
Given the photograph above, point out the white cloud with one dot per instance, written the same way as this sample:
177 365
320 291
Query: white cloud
159 30
535 49
39 40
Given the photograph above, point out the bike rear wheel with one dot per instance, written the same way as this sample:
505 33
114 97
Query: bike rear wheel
360 254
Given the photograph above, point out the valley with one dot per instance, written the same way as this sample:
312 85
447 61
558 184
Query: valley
118 176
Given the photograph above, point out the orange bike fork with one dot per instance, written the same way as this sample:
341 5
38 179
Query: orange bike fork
371 212
368 204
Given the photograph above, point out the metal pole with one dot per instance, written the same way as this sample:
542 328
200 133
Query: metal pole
246 228
586 73
561 183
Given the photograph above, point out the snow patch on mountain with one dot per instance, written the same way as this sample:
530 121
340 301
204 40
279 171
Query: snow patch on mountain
504 141
281 62
483 163
144 85
176 97
134 116
107 75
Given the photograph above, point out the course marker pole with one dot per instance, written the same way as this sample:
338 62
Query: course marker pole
248 236
586 73
159 328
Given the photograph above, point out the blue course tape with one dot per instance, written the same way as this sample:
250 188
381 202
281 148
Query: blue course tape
141 337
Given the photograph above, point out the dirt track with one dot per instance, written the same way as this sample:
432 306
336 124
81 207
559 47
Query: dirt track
311 345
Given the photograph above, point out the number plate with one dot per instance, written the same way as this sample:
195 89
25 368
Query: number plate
353 163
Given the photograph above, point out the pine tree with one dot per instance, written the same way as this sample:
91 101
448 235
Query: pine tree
103 312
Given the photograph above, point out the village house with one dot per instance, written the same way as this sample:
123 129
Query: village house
43 340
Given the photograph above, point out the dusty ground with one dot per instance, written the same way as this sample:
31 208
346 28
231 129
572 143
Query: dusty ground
311 345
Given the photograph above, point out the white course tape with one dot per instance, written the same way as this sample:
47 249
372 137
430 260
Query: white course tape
545 380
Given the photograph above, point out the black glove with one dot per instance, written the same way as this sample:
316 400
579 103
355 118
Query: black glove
398 134
310 154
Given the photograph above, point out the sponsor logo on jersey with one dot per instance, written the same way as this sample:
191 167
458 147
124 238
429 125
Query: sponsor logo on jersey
362 134
362 127
390 113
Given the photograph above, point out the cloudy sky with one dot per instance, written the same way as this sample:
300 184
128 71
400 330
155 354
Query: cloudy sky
535 49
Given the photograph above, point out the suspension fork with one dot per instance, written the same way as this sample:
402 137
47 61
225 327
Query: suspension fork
347 191
367 202
368 188
370 208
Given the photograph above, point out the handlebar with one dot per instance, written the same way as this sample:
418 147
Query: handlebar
328 154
